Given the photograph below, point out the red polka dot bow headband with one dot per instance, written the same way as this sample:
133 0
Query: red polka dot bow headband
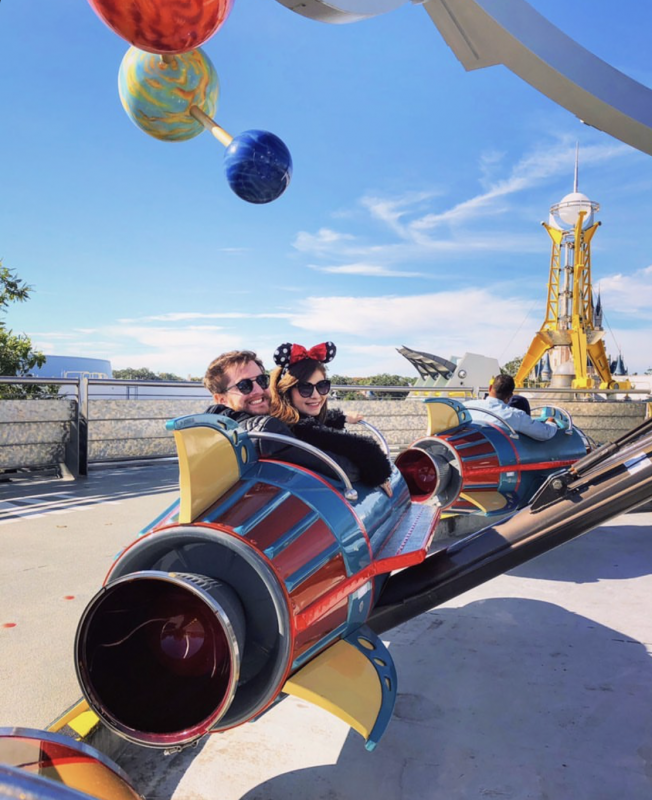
288 353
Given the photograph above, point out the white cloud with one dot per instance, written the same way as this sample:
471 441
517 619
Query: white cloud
324 239
538 166
423 232
368 270
183 316
59 335
450 322
628 293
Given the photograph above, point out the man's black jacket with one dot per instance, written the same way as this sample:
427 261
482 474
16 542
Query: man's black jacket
360 458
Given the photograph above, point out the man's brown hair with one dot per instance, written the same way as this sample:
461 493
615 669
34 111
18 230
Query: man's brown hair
503 387
214 378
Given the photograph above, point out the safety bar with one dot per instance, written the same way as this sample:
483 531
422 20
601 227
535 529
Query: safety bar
561 410
377 434
349 492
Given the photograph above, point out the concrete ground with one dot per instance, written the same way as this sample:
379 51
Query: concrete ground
536 685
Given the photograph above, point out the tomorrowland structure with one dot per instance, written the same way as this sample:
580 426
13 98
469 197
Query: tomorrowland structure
572 329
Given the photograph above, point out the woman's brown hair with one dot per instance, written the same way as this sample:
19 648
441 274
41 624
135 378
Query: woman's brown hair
281 385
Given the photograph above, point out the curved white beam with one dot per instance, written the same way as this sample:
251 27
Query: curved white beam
483 33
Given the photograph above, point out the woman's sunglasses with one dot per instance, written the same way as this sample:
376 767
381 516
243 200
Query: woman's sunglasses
246 385
306 388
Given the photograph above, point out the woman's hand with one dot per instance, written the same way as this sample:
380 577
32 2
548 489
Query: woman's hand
387 487
352 419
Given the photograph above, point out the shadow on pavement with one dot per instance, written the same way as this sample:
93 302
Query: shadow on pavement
583 561
503 698
111 483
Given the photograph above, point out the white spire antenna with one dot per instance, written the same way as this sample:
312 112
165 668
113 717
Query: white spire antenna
576 182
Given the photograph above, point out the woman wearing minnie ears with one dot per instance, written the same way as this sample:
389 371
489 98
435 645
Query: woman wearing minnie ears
299 397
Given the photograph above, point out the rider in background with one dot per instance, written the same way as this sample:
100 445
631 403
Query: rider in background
500 394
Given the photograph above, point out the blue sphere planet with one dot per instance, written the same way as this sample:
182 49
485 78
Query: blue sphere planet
258 166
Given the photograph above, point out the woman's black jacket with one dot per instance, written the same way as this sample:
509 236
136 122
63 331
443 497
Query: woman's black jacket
360 458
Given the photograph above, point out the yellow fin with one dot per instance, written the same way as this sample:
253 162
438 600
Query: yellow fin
486 501
80 707
444 414
208 467
78 721
343 681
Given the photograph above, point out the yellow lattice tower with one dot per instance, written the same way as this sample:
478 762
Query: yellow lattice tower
569 311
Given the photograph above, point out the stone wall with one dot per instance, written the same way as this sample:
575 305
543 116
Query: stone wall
402 421
604 422
134 428
37 433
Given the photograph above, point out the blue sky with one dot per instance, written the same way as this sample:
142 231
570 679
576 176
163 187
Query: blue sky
413 216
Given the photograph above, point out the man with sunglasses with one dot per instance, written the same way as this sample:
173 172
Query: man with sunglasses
238 382
239 385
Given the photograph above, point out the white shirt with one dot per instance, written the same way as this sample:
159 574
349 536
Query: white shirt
519 420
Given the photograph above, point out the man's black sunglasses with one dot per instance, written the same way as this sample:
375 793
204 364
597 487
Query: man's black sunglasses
306 388
246 385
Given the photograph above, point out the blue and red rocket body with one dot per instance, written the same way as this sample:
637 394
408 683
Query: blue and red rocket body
266 579
289 571
259 581
485 468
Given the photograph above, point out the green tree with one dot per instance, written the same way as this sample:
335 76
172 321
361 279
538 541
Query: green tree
144 374
12 289
511 367
131 374
343 380
385 379
17 356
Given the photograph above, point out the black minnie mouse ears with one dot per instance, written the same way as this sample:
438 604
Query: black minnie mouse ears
287 354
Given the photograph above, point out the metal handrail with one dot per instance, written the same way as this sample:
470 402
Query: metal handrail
338 387
31 381
563 411
512 435
377 434
349 492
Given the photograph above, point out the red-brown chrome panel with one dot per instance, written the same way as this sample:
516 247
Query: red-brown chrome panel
484 472
469 467
323 582
258 496
278 522
307 638
338 494
455 440
221 499
317 538
481 449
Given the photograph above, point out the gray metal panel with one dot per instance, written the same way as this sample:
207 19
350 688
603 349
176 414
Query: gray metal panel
486 32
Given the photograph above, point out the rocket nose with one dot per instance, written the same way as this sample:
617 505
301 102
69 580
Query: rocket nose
158 655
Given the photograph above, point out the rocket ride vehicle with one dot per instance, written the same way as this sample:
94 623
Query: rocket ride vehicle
266 579
484 469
